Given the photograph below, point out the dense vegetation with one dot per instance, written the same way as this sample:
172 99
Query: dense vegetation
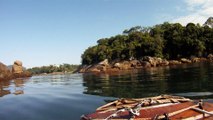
167 40
53 68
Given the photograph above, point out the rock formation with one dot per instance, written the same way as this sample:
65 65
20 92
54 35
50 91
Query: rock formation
209 22
17 67
17 71
210 57
104 63
4 72
145 62
195 59
184 60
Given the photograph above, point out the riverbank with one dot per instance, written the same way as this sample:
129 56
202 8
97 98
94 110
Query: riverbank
145 62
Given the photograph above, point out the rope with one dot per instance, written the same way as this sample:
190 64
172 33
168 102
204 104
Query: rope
133 112
115 114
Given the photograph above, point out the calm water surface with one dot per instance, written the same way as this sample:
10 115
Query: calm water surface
67 97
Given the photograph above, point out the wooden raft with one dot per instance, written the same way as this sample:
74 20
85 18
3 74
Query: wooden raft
153 108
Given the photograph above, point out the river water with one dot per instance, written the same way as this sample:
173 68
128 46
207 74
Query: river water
67 97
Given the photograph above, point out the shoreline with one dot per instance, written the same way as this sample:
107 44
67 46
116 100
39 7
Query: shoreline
144 63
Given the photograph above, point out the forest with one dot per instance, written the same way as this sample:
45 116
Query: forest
69 68
167 40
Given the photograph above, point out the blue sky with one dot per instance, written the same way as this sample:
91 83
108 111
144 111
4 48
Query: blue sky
44 32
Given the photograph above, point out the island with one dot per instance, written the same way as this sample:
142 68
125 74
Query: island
143 47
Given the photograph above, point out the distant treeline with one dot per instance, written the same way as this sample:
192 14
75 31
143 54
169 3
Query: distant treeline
167 40
53 68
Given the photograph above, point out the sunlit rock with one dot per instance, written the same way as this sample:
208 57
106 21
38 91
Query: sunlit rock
164 62
195 59
210 57
17 67
117 65
104 62
174 62
184 60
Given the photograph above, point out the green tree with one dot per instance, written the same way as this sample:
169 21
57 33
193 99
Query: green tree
166 40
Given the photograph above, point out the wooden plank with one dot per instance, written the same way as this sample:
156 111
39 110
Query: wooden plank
192 114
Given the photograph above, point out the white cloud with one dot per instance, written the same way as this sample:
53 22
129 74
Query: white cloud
194 3
198 11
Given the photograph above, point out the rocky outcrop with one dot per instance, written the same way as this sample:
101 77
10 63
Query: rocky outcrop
17 71
125 65
145 62
17 67
184 60
117 65
105 66
135 63
4 72
104 62
174 62
151 60
210 57
164 62
155 61
209 22
195 59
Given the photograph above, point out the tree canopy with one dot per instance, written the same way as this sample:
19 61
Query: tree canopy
53 68
167 40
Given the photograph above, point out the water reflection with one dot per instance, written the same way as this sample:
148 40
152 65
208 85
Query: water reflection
136 83
4 91
48 82
181 79
15 87
57 80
